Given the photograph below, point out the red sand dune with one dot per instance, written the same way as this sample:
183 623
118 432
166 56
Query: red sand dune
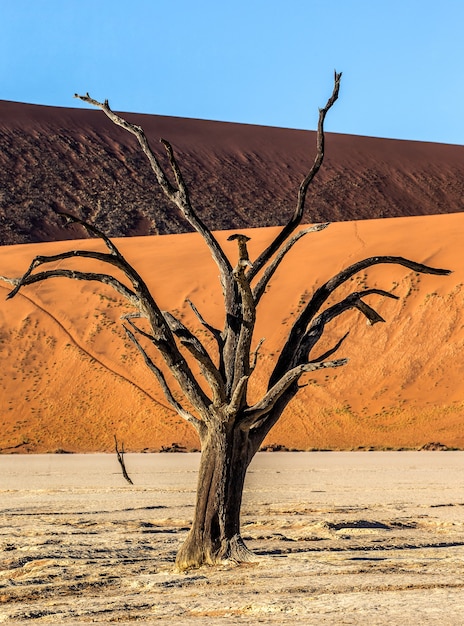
239 175
70 380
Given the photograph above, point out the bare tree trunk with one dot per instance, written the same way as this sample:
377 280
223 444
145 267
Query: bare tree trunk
215 533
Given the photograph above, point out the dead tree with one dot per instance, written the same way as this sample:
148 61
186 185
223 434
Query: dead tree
231 430
121 461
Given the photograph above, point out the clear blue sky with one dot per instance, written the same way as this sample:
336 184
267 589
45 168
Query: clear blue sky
254 61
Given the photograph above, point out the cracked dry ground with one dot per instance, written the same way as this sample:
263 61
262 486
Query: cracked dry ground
343 538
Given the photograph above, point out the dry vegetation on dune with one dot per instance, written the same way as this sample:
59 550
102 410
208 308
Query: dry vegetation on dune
75 160
70 379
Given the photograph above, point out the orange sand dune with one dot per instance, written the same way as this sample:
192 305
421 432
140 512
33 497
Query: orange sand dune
71 380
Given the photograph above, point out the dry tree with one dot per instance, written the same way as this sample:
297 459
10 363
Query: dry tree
230 429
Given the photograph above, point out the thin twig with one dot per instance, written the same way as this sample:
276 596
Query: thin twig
120 455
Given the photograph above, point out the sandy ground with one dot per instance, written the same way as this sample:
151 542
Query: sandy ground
343 538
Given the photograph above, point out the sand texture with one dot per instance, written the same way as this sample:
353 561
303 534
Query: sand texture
342 538
71 380
240 176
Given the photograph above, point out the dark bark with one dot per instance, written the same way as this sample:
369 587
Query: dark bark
297 216
121 461
215 533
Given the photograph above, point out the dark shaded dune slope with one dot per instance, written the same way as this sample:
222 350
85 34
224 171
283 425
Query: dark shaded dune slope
76 160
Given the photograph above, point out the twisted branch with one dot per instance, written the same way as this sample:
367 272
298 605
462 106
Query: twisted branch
352 301
297 216
199 352
198 424
260 288
106 279
179 195
321 295
254 413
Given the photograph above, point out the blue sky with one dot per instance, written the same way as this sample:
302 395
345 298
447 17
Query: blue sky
256 61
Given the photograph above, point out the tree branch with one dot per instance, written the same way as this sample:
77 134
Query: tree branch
71 219
254 356
214 331
141 299
178 196
254 413
119 261
145 301
331 351
198 424
120 455
137 131
75 275
325 291
177 365
128 317
248 312
295 220
41 260
260 288
198 351
238 397
352 301
182 200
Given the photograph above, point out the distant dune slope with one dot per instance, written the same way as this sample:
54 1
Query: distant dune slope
70 380
54 159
